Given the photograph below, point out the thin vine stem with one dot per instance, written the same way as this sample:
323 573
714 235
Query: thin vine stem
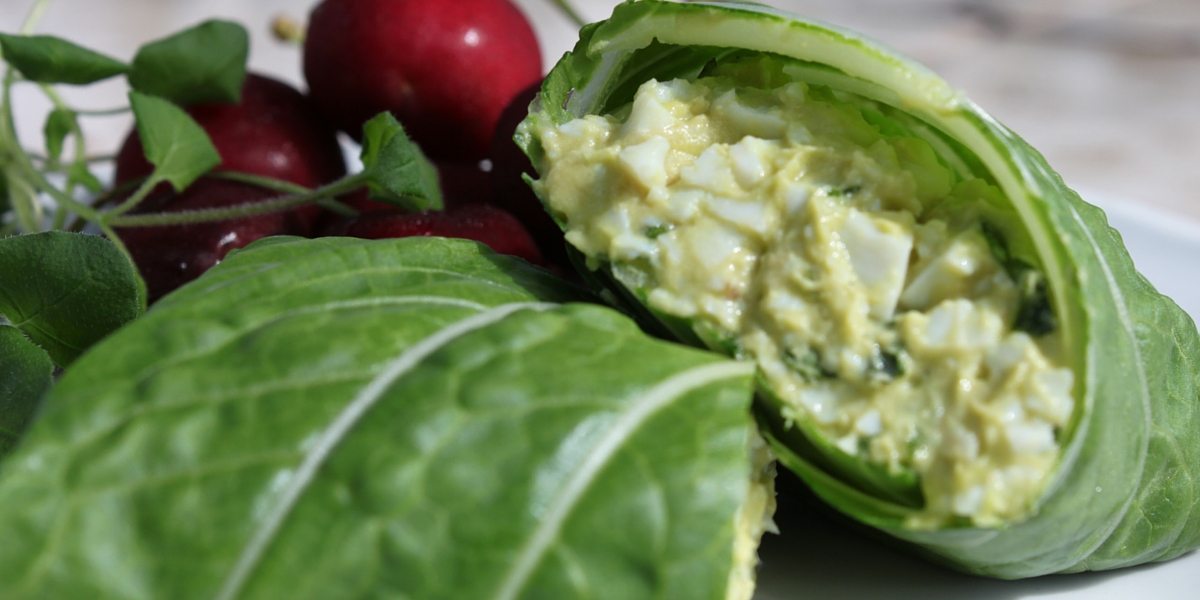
132 201
104 112
35 16
269 183
249 209
569 11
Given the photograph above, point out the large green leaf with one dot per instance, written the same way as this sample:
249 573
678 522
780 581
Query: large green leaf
1127 488
66 291
411 418
28 373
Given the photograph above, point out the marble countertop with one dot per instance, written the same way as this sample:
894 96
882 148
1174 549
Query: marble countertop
1106 89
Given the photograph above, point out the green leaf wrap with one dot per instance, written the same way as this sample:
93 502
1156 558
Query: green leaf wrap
1126 489
413 418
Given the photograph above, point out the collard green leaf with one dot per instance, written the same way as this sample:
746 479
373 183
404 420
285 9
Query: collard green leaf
413 418
400 173
48 59
66 291
28 373
1127 485
174 142
205 63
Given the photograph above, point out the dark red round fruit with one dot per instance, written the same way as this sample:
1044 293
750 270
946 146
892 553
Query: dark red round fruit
171 255
480 222
445 69
509 190
274 131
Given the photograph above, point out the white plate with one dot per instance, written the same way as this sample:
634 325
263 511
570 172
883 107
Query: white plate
819 559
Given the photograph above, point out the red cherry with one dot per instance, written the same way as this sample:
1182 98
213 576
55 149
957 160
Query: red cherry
446 70
510 191
480 222
171 255
274 131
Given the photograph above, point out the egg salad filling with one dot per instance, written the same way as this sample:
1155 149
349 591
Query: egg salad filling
798 227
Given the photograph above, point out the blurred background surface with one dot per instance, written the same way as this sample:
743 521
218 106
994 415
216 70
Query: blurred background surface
1108 90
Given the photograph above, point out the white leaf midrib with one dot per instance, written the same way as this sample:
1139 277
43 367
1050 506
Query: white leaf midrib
271 523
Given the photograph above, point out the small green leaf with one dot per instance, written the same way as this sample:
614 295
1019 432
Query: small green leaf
59 124
53 60
28 373
78 173
206 63
175 143
400 173
66 291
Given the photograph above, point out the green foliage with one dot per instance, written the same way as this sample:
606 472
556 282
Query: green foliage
206 63
174 142
66 291
400 173
48 59
410 418
28 373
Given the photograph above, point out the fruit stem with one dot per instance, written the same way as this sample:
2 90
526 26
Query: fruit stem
568 11
287 29
336 188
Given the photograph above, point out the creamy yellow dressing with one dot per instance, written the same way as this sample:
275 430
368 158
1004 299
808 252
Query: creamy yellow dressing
782 220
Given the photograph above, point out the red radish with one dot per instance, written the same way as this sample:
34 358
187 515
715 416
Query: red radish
446 70
172 255
480 222
273 131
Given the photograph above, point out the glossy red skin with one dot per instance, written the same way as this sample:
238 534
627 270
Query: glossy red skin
509 190
445 69
480 222
273 131
172 255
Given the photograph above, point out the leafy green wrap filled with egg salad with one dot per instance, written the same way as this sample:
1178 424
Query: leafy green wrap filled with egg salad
952 347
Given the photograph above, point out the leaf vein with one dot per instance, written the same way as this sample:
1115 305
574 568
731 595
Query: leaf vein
337 431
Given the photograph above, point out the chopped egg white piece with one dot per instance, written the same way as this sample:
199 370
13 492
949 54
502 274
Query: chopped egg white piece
782 220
